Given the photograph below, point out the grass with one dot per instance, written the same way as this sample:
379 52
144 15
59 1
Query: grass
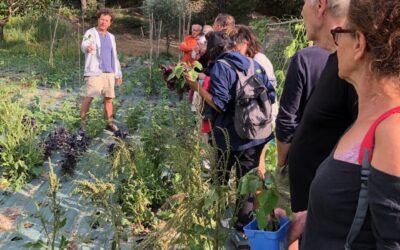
26 50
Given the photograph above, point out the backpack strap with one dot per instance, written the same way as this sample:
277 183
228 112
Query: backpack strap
364 158
242 77
362 204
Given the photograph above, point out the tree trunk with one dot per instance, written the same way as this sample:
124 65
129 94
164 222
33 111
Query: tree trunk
83 7
2 31
3 23
168 41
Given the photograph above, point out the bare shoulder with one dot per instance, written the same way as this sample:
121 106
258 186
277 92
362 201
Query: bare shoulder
386 157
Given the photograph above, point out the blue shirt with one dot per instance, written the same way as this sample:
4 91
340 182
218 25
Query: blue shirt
222 89
106 53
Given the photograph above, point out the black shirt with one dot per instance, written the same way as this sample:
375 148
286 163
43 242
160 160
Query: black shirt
332 205
303 74
330 110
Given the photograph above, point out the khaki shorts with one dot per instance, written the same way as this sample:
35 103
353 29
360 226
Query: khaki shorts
101 85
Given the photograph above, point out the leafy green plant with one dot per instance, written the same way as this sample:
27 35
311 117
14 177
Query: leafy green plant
51 227
101 193
135 116
260 28
267 197
20 156
182 69
280 62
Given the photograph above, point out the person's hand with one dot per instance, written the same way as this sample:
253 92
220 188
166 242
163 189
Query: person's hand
119 81
297 224
202 76
90 48
194 85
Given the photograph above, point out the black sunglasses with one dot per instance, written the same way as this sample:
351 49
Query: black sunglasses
339 30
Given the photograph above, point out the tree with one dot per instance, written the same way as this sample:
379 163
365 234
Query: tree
168 12
83 6
9 8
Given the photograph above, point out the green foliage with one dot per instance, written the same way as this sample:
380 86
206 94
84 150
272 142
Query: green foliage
91 8
281 62
267 195
300 41
52 226
260 28
182 69
33 29
21 155
126 22
102 194
249 184
167 11
22 7
27 48
95 122
280 8
156 136
135 116
134 197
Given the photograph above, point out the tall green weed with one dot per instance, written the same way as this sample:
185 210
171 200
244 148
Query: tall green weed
21 155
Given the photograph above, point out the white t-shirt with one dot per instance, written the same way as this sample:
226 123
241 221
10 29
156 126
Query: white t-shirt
267 65
269 69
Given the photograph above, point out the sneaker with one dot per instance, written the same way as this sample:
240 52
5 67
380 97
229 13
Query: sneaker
239 239
112 127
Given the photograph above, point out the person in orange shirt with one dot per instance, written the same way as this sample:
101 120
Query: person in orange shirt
189 43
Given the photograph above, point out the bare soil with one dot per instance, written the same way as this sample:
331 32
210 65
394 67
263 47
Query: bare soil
135 45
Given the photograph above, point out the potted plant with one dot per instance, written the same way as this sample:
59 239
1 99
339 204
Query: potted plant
266 231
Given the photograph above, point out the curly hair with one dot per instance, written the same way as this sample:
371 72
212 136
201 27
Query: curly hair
379 21
106 12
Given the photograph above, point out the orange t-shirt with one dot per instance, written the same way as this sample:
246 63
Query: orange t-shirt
187 46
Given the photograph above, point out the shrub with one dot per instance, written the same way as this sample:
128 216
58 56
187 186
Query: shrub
21 155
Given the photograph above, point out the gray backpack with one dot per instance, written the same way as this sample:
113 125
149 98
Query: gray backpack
253 108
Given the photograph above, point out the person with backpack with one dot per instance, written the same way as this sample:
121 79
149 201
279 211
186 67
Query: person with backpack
355 196
241 97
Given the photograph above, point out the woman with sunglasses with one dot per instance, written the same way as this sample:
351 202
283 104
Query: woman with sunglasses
361 177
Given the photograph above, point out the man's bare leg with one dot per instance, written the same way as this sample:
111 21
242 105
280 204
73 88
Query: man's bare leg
108 110
84 109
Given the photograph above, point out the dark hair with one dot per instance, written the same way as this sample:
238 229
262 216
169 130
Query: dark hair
219 42
227 22
106 12
379 21
245 34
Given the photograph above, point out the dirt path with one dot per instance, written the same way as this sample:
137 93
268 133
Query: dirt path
134 45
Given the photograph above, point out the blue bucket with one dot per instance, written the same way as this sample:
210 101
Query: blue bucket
267 240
